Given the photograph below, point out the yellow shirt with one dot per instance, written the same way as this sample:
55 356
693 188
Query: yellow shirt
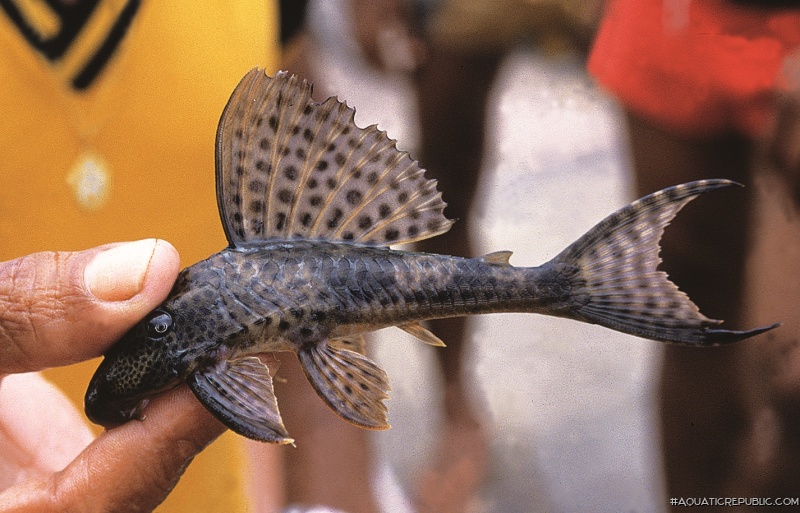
142 123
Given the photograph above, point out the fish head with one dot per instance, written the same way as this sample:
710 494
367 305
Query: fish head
138 366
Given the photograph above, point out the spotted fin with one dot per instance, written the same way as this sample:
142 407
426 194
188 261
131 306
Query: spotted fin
239 393
288 167
351 384
616 283
355 343
423 334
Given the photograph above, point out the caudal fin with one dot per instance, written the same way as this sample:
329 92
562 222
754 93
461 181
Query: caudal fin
617 283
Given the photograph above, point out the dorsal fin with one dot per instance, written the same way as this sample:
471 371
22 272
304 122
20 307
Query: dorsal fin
288 167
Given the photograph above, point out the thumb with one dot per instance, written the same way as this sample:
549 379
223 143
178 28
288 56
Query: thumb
58 308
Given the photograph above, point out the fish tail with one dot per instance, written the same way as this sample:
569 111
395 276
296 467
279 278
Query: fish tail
615 282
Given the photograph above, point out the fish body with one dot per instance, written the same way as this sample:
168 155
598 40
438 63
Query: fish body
310 204
310 291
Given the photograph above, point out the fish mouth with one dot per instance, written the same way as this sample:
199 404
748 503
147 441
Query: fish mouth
108 413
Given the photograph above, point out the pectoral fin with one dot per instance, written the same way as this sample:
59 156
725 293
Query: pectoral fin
239 393
351 384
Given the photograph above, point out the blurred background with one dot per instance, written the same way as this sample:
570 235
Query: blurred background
570 407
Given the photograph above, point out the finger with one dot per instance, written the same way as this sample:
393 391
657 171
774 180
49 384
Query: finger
58 308
131 468
40 429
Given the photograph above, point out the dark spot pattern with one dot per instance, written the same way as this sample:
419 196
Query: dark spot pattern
257 206
392 235
285 196
354 197
257 186
371 183
334 221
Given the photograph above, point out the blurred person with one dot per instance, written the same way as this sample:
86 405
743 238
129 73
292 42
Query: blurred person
109 111
453 49
331 465
709 92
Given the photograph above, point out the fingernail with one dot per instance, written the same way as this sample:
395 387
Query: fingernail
118 274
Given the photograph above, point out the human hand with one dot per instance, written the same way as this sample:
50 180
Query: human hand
61 308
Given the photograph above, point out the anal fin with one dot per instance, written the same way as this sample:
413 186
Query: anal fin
422 333
350 383
240 394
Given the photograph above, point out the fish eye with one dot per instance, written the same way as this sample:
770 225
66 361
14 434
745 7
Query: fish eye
159 324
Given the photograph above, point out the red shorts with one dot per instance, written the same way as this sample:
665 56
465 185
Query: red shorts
695 66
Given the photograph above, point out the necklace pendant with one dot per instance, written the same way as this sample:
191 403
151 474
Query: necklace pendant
90 179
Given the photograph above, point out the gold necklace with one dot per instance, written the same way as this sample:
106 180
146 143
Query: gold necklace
81 44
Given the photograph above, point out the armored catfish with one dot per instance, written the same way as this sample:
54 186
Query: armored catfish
310 204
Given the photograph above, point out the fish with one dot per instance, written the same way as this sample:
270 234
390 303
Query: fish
311 204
